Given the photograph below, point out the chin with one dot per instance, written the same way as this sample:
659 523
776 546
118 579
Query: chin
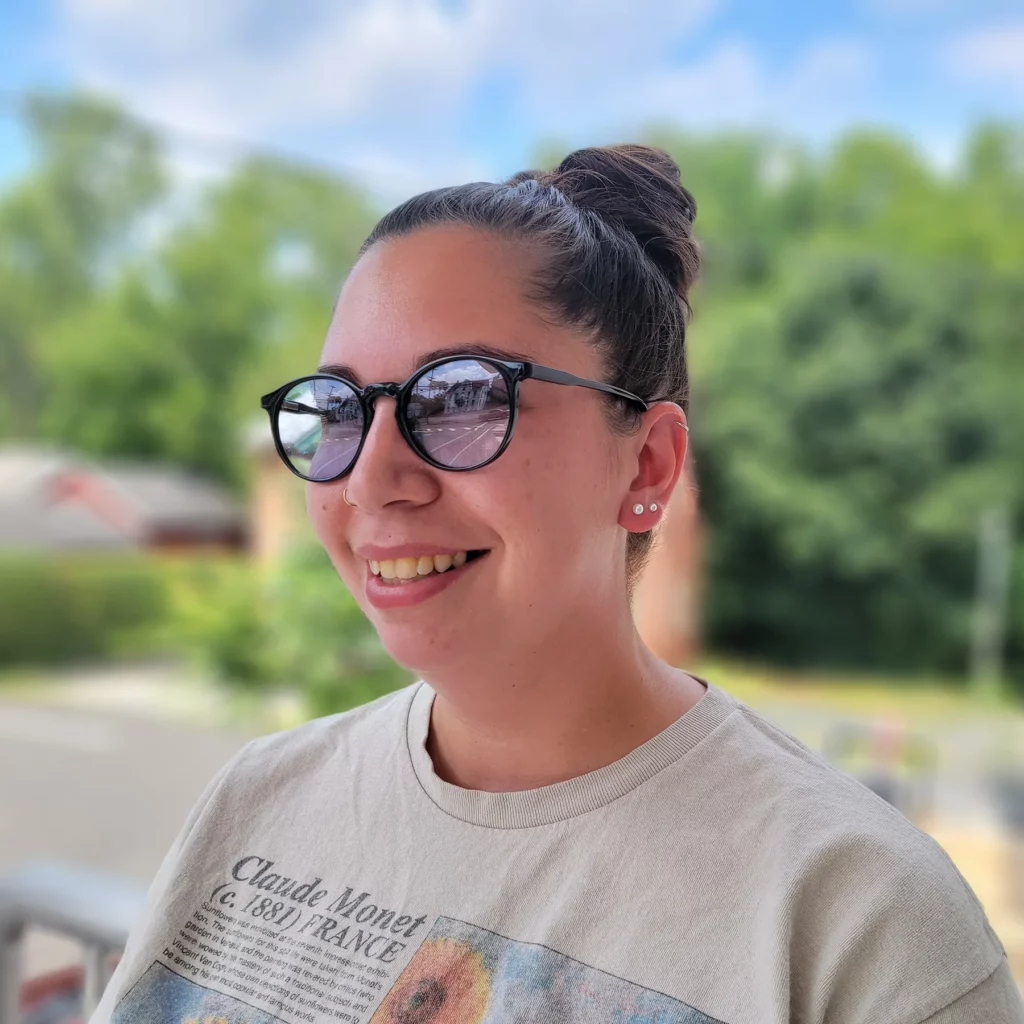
427 651
418 662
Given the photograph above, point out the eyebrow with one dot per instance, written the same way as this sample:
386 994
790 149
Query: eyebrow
469 350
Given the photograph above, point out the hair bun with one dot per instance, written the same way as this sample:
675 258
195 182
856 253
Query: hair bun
637 188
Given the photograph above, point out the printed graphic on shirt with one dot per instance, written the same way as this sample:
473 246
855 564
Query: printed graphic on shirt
462 974
162 997
289 945
259 945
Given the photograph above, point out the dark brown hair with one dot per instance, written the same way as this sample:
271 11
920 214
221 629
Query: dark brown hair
613 229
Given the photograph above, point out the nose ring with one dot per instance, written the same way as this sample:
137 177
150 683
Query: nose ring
344 494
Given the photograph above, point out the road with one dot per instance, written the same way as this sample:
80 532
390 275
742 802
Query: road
101 789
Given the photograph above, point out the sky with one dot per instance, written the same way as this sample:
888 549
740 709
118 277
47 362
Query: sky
408 94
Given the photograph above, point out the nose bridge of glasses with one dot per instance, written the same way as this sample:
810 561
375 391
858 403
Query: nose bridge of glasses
384 445
370 393
386 389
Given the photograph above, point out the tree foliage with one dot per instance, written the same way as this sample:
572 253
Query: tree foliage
859 394
62 230
133 328
857 357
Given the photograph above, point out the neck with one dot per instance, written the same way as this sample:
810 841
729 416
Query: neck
558 711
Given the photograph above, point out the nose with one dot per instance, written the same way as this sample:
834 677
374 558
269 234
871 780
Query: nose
388 470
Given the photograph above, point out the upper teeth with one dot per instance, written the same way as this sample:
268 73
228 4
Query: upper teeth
410 568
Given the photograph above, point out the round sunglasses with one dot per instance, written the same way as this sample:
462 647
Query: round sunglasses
456 413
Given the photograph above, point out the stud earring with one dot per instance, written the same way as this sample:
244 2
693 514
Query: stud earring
654 506
638 508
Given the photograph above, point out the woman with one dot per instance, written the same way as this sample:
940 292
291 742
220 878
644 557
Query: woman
553 825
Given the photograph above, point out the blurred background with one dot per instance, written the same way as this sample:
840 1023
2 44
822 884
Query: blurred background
184 186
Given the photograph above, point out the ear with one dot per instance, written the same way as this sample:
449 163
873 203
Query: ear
660 454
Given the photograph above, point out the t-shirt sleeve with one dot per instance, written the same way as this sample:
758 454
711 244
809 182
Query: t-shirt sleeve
886 928
995 1001
157 892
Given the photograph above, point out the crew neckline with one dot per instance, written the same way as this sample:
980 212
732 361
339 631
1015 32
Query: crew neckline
546 805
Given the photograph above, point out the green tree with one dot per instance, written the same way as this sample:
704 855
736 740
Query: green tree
852 431
169 361
63 231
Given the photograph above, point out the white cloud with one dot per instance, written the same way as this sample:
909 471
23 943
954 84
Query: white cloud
209 74
732 87
393 175
721 88
384 87
194 62
993 55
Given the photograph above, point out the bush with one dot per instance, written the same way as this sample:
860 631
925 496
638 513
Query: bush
292 627
58 611
217 619
322 641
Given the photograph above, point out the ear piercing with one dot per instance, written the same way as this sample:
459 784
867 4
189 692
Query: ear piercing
638 508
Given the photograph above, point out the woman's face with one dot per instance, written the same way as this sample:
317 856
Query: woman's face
546 512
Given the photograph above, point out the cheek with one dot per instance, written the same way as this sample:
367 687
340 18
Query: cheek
571 455
327 515
319 509
555 492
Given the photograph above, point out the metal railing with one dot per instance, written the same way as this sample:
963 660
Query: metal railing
95 909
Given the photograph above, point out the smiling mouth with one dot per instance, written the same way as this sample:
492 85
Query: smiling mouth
403 571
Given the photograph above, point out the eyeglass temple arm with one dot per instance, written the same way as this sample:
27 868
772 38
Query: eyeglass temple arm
562 377
534 370
288 406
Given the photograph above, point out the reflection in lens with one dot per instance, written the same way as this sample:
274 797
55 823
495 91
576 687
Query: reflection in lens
458 413
320 423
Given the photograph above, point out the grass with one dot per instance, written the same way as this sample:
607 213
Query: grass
19 682
855 694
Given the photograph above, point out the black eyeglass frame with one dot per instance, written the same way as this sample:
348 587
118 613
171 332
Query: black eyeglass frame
512 371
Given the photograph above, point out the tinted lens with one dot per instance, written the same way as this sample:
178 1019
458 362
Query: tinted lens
320 423
458 413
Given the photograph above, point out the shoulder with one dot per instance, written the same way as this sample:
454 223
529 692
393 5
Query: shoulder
996 1000
878 922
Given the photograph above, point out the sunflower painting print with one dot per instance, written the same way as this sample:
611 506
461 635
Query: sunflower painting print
463 974
447 982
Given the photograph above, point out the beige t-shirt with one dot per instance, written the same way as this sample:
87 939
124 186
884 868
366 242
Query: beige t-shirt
720 872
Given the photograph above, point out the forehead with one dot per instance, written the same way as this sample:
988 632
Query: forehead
438 289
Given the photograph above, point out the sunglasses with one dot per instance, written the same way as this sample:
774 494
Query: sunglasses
456 413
